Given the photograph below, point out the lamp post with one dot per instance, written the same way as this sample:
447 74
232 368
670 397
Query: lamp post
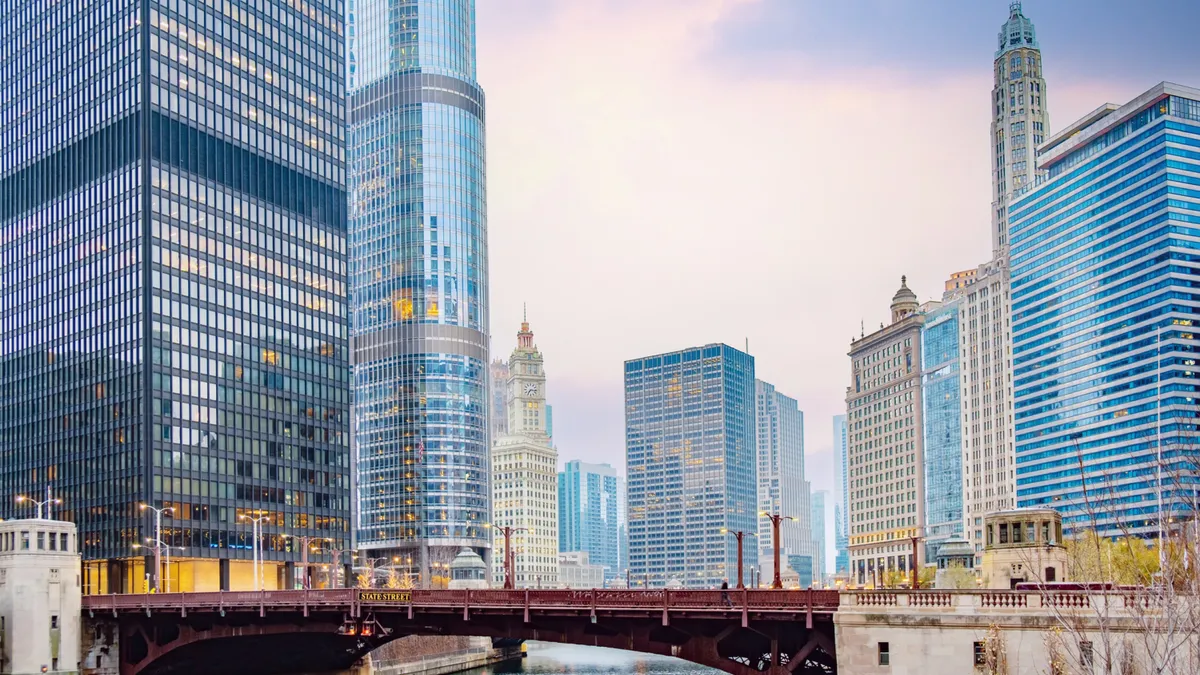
256 522
915 581
739 535
166 559
21 499
158 512
304 540
777 582
508 556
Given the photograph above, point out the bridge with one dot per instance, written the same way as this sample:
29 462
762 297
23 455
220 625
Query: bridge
287 632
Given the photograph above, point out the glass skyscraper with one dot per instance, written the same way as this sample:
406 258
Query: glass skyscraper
782 489
172 272
587 514
690 458
841 503
943 431
1104 313
418 278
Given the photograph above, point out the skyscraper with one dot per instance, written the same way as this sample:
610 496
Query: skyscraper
820 500
419 279
884 413
588 512
172 251
525 473
841 502
782 489
1019 117
1103 322
498 382
942 428
690 457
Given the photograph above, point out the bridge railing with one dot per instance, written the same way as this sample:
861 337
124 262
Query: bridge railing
678 599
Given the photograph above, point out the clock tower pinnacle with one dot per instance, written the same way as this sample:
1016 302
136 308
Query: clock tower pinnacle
526 387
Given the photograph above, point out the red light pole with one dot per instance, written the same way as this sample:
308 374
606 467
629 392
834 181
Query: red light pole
508 557
739 535
776 583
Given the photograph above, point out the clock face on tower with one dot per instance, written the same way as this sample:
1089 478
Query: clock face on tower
530 389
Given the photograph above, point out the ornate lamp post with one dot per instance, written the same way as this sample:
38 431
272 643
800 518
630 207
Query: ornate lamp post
21 499
777 582
508 556
739 535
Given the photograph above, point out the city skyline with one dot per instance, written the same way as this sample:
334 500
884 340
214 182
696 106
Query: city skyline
535 161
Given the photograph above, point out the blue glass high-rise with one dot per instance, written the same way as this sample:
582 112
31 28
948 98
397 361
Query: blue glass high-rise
587 514
841 505
940 396
418 279
690 456
172 233
1104 314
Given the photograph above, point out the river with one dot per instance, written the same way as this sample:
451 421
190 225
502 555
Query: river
553 659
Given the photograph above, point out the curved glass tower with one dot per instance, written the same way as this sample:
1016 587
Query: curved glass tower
418 270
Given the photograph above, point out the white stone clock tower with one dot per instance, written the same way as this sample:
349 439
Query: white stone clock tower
526 388
525 475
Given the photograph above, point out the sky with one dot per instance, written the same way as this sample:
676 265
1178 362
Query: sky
670 173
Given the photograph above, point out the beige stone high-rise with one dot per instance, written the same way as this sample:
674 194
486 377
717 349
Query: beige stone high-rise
1019 117
525 475
885 456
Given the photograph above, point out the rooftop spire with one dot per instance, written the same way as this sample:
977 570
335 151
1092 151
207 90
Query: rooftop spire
1017 32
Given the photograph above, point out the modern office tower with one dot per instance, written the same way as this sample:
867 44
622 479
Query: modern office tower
498 387
985 399
841 502
1019 117
550 422
782 489
622 526
690 456
820 499
419 280
172 273
525 474
886 457
940 396
588 514
1103 322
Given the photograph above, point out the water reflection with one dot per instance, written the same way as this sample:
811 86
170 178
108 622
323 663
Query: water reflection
553 659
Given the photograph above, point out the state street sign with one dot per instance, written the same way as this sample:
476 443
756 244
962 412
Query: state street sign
385 596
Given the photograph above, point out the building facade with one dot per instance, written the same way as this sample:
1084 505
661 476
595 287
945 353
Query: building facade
172 272
40 597
942 429
525 474
690 454
841 501
820 502
587 514
576 570
886 447
986 399
498 388
1103 319
1019 119
782 488
419 279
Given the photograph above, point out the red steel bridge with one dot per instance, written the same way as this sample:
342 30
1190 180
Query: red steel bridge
309 631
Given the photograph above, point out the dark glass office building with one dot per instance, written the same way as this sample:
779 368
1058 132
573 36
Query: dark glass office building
690 454
172 277
418 256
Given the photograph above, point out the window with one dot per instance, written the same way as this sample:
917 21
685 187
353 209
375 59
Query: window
1085 653
53 621
41 541
63 542
884 656
25 541
980 653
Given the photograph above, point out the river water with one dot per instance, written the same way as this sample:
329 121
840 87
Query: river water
553 659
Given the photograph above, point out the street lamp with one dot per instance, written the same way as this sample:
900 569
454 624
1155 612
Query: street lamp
157 537
739 535
777 582
166 559
304 540
21 499
257 525
508 556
